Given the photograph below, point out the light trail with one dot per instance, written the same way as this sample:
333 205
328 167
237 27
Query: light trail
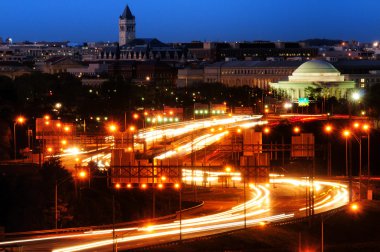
57 237
156 134
206 139
333 194
178 129
341 192
175 232
74 151
198 175
197 144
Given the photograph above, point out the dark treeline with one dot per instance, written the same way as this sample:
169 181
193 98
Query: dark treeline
27 199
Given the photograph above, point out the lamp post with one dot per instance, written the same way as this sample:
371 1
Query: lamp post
353 208
19 120
132 129
328 130
136 117
266 131
112 128
144 119
114 240
346 134
80 175
366 128
179 187
296 130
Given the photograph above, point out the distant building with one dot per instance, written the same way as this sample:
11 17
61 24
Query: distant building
38 51
56 65
251 73
154 72
365 73
91 70
127 27
256 50
261 73
315 74
13 69
144 72
188 77
142 49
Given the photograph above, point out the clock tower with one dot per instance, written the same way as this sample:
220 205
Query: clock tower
127 27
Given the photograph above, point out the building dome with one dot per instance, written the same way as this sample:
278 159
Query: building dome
316 66
315 74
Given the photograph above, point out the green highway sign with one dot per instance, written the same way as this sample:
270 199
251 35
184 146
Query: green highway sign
303 102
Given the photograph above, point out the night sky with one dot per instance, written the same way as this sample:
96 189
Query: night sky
187 20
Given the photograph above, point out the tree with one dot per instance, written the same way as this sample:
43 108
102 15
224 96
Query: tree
372 100
313 93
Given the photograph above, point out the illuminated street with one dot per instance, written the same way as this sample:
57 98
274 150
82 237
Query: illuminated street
260 209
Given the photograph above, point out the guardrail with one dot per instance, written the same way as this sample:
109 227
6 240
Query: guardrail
88 228
101 227
191 208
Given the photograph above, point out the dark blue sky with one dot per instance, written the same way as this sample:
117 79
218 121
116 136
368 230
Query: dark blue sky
187 20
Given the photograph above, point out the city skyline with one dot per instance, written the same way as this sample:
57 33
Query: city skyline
186 21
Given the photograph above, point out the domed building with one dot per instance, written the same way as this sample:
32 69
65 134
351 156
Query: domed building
314 74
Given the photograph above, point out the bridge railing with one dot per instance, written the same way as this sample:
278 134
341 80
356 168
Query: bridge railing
101 227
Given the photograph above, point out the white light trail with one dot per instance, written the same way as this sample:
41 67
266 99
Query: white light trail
190 126
333 194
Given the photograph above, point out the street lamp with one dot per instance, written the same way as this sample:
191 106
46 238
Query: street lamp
80 175
366 128
112 128
114 241
266 130
179 188
328 129
346 133
296 130
356 96
19 120
67 129
145 115
353 208
130 139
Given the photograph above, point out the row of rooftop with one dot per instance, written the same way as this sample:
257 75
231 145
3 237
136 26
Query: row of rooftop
145 61
152 49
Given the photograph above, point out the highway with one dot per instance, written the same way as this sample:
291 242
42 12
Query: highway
265 204
281 199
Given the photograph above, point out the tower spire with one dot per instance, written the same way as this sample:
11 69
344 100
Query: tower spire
127 26
127 14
